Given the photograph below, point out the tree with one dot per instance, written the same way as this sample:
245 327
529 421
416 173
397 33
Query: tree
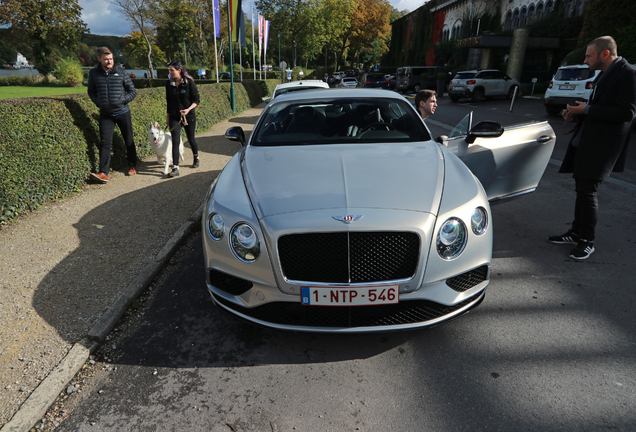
46 25
611 18
176 25
137 48
141 14
369 20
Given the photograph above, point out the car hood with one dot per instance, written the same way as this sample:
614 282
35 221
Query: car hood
286 179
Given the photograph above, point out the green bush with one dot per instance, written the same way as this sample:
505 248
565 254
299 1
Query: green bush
69 72
43 160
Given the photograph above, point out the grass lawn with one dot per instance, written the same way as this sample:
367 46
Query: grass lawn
8 92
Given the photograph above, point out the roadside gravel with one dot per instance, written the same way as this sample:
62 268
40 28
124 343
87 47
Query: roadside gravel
64 265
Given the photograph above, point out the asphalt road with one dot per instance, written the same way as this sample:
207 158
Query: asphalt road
551 348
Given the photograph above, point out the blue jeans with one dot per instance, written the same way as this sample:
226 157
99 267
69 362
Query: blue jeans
106 128
586 208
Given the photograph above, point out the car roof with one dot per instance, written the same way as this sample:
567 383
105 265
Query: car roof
308 83
579 66
340 93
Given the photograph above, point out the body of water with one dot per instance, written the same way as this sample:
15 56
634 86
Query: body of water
139 73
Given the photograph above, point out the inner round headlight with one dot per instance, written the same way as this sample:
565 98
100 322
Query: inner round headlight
451 239
479 220
216 226
245 243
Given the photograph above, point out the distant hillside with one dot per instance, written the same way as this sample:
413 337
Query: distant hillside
113 42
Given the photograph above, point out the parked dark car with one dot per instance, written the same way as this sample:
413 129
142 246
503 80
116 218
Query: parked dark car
376 80
409 78
224 75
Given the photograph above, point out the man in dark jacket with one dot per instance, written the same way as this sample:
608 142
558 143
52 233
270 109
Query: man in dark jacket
599 144
111 89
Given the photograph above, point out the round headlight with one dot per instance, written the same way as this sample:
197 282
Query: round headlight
216 226
451 239
479 220
245 243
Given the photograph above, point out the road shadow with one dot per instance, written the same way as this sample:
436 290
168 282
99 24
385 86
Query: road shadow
119 237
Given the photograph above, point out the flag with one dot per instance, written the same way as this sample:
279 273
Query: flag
217 19
242 28
260 35
235 19
265 37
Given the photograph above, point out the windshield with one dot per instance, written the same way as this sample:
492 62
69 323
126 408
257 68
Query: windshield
339 121
283 91
573 74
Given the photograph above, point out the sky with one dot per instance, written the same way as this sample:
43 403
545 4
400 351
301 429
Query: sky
102 18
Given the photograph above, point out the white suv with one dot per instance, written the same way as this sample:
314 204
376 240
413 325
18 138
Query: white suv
481 84
570 83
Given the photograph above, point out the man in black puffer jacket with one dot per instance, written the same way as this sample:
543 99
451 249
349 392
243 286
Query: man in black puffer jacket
111 89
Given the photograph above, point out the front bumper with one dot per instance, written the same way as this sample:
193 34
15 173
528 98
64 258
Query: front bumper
561 101
429 306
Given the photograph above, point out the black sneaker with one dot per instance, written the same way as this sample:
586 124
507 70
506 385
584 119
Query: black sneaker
567 238
195 164
174 172
583 250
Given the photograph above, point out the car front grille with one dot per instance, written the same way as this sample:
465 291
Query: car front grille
295 314
466 281
349 257
228 283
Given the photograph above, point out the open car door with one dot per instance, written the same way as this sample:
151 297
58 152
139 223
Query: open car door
508 162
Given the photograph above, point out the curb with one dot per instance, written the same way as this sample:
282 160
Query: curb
37 404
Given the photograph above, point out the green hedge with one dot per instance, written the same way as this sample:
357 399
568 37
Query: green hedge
49 146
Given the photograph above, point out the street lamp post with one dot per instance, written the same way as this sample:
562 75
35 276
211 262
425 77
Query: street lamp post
280 62
294 54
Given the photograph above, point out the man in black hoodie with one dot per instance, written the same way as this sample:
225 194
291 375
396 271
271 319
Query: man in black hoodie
111 89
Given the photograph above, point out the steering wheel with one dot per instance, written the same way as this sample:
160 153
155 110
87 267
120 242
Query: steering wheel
377 123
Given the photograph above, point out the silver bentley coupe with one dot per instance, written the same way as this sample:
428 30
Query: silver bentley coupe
341 214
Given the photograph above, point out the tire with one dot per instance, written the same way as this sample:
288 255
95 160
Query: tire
454 98
511 92
552 110
478 95
417 88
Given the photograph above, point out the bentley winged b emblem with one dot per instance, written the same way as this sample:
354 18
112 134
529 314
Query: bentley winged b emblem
347 218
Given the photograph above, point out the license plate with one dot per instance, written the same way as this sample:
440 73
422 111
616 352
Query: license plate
566 87
458 88
349 296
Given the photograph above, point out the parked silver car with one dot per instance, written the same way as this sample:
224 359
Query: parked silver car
481 84
341 214
349 82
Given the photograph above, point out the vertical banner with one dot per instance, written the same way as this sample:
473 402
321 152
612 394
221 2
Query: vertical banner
260 35
217 19
242 40
234 18
265 39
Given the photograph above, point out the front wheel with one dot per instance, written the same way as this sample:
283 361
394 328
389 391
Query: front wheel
417 88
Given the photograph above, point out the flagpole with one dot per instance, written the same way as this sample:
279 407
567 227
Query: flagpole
216 59
240 51
253 52
229 34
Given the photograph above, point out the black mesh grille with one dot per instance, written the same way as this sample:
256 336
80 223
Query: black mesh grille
229 284
352 257
295 314
466 281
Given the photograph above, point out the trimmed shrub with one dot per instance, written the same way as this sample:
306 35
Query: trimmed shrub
69 72
49 146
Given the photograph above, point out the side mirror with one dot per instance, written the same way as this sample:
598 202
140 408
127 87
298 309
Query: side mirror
484 129
236 133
